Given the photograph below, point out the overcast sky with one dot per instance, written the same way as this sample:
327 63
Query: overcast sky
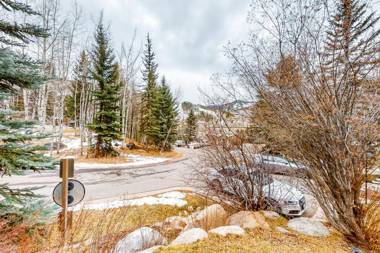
188 35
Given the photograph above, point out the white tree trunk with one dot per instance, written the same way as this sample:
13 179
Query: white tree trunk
26 97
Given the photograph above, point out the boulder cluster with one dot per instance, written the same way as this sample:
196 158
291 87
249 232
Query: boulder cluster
211 220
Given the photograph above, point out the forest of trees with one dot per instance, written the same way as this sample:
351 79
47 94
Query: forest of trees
312 82
45 86
98 90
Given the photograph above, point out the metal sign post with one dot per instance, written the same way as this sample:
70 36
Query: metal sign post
66 170
66 194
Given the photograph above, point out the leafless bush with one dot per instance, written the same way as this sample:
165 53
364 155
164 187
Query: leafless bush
332 116
231 171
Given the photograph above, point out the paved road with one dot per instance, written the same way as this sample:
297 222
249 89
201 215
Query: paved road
108 184
118 183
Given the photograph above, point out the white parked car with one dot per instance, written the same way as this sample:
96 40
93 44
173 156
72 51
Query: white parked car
279 165
284 198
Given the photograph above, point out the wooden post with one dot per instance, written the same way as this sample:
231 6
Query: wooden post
65 180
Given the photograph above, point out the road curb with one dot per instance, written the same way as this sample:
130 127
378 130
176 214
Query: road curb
170 161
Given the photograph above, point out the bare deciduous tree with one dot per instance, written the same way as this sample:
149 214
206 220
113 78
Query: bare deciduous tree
332 125
129 70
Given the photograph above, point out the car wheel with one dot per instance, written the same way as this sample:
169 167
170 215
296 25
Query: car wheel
216 185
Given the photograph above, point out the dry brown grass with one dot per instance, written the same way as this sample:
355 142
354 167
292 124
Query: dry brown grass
371 222
266 241
104 160
99 231
124 159
262 241
149 152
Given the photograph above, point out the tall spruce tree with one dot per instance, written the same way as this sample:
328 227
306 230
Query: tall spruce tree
191 127
164 119
150 76
105 73
18 71
352 42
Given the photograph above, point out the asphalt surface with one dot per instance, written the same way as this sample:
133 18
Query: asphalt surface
103 185
118 183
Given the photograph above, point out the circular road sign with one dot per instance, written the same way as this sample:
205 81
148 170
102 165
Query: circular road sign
76 192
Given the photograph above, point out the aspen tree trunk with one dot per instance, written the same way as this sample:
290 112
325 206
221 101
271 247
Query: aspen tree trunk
26 97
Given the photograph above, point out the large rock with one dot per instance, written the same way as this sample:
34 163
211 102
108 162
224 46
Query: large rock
314 210
211 217
271 215
248 220
308 226
190 236
319 215
140 239
172 225
176 222
244 219
228 230
260 219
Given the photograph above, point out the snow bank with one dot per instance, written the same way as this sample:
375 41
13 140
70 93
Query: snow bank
72 143
143 160
170 198
175 194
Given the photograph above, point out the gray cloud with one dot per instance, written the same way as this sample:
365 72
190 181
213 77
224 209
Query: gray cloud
188 36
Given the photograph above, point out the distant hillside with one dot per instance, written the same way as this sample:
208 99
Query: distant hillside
206 111
231 106
234 106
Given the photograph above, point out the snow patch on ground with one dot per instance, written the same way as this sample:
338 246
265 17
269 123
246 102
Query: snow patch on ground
142 160
175 194
72 143
170 198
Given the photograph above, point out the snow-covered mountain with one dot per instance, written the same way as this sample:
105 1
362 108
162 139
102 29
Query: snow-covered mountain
231 106
235 107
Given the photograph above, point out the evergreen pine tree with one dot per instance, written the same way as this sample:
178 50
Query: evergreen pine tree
105 72
191 127
148 97
163 131
17 71
351 43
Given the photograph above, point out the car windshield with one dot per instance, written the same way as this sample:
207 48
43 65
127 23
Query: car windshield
261 178
273 159
257 176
